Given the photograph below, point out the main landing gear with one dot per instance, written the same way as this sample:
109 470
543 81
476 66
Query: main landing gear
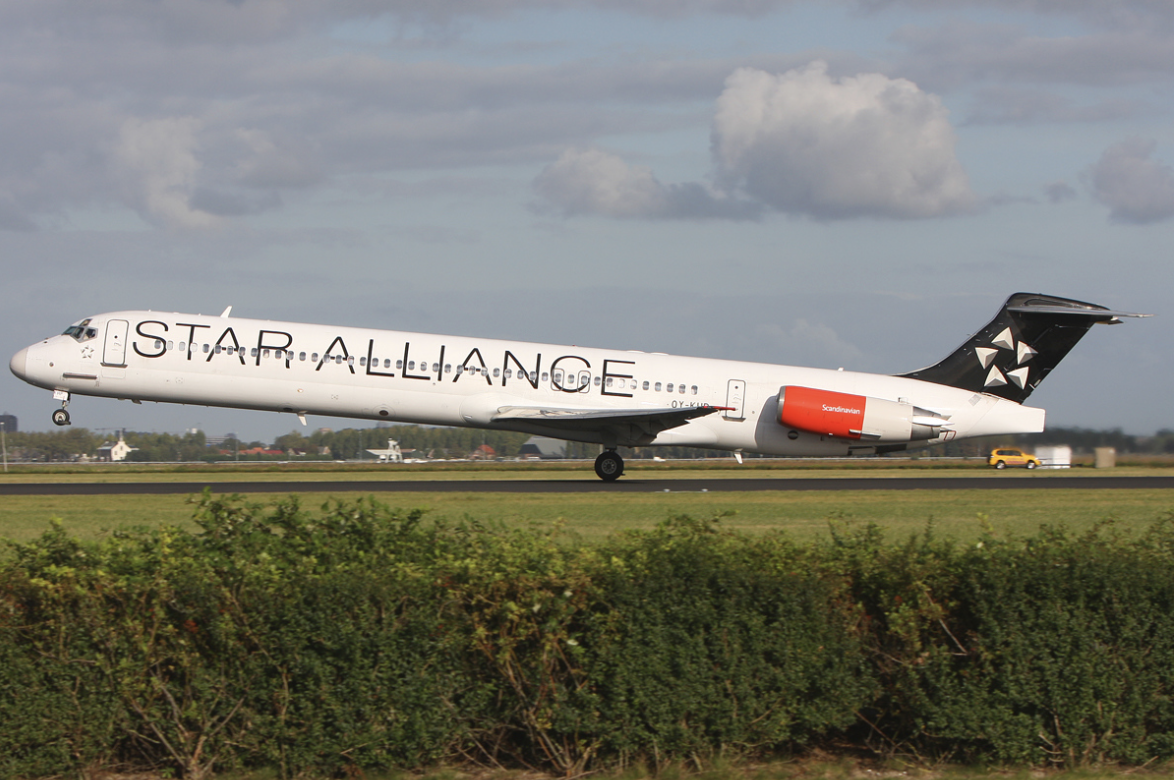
61 416
609 466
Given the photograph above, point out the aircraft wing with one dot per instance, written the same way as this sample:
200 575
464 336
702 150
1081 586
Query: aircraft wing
630 427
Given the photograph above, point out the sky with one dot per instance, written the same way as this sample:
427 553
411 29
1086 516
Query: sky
845 183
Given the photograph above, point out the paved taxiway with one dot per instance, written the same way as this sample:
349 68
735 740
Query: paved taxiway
626 485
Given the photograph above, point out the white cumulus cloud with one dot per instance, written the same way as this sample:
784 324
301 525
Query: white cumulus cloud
591 181
156 162
800 143
866 146
1137 189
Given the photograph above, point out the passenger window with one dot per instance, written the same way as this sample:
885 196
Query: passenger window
387 362
609 381
657 387
497 372
314 357
182 345
411 365
509 373
399 364
545 376
435 368
362 361
681 389
448 368
207 348
158 344
669 387
645 384
694 389
597 381
171 345
219 349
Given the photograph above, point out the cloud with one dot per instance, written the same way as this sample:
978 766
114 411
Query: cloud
1003 106
156 161
965 53
12 217
1138 190
800 143
866 146
591 181
807 344
1059 192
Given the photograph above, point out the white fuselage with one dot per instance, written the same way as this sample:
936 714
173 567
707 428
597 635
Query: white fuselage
459 380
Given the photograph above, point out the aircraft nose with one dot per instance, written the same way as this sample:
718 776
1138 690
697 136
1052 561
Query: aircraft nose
18 364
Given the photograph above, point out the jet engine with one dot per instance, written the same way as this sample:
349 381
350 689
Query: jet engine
848 416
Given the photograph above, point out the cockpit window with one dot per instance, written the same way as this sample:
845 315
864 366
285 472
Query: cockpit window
81 332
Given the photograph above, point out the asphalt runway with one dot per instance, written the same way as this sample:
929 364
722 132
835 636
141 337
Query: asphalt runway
623 485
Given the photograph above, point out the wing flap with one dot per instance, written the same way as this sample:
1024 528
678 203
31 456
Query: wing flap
629 427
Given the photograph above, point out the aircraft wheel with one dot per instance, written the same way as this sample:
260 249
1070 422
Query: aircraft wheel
61 417
609 466
1000 465
1031 464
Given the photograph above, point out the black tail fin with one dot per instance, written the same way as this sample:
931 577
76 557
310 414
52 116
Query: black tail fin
1019 347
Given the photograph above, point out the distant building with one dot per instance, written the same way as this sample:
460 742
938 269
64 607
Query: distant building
115 452
9 422
543 447
484 452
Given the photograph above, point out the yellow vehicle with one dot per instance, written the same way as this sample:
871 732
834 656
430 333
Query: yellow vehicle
1003 457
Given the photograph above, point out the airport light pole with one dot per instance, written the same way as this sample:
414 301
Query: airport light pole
4 443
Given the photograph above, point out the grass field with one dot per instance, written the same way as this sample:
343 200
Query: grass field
590 516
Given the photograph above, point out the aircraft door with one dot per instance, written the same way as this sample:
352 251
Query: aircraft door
735 398
114 351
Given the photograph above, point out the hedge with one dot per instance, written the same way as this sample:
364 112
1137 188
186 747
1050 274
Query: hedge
358 638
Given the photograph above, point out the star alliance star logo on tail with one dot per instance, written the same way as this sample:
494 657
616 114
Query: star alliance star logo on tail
1021 354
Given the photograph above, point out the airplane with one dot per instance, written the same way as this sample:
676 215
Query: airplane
607 397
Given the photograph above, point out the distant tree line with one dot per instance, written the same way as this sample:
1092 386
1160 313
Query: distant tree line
428 442
353 443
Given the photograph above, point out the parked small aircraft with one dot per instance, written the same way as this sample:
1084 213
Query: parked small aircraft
607 397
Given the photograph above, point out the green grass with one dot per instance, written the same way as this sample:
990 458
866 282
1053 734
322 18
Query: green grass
592 516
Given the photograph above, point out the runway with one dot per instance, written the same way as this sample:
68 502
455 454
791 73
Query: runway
624 485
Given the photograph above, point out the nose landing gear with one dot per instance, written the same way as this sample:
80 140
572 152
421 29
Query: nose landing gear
61 416
609 466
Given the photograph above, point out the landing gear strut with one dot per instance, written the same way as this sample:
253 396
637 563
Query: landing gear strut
609 466
61 417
